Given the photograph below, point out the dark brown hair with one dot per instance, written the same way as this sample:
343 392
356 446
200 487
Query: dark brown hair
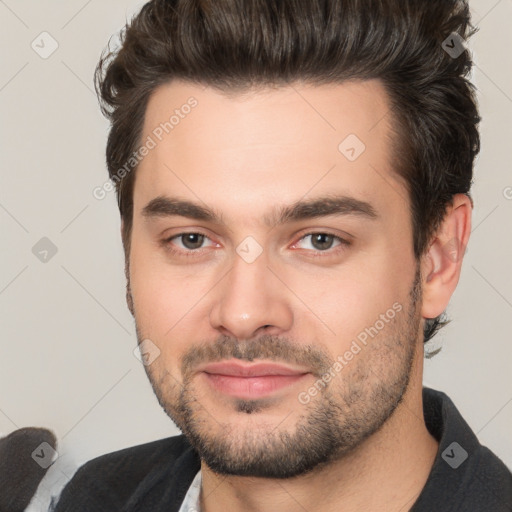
239 45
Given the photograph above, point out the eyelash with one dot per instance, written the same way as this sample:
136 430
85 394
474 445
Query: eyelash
191 253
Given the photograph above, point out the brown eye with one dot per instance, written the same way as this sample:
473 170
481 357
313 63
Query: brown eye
191 240
322 241
187 244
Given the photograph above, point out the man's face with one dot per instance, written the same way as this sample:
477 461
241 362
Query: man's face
284 341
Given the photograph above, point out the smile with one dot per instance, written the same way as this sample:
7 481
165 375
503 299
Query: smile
250 381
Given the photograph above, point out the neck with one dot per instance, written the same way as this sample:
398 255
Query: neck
386 472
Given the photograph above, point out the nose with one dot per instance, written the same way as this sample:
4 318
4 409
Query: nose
251 298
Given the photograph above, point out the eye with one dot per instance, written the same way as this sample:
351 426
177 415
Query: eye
323 242
190 243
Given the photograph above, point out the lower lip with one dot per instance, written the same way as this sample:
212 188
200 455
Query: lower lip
251 388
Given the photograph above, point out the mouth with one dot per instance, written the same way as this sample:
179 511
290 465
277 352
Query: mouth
250 381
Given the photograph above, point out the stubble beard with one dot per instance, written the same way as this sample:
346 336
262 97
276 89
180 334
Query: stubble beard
354 406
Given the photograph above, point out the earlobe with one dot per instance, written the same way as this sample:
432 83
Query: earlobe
441 265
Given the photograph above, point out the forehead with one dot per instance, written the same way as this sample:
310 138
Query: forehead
331 110
268 145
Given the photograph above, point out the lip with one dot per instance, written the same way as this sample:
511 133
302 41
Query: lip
239 369
250 381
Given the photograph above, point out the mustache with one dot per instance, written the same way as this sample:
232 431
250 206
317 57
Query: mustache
265 347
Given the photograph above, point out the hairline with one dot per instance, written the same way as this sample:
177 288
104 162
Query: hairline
240 90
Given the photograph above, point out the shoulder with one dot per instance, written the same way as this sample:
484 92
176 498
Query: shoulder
110 481
489 484
138 459
466 475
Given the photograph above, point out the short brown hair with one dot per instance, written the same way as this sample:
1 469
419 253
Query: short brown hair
238 45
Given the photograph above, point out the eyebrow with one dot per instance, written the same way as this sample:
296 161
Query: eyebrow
163 206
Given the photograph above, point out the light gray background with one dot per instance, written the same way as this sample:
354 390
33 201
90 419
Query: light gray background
67 338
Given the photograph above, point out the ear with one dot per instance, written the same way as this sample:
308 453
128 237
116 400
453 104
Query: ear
441 265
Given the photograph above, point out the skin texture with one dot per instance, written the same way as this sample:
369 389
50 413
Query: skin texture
361 439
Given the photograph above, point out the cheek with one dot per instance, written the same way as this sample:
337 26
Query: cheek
346 301
155 297
168 302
